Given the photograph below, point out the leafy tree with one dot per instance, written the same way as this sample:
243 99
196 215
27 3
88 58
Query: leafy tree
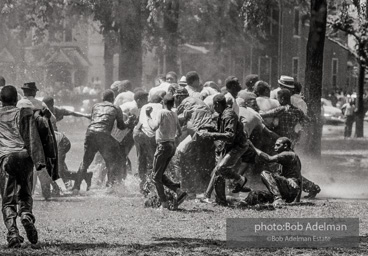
216 24
121 27
350 17
164 21
18 17
256 14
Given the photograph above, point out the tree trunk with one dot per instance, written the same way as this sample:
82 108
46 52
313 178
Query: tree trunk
359 125
131 53
109 47
313 75
171 24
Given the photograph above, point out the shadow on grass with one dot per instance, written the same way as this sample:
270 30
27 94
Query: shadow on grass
61 199
159 245
194 210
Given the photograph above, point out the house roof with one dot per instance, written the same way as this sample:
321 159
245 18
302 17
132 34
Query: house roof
189 48
67 55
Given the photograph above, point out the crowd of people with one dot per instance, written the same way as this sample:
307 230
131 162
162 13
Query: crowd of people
191 138
347 103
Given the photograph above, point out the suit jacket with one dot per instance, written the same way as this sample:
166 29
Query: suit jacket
40 142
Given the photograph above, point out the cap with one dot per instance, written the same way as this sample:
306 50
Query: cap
183 81
30 86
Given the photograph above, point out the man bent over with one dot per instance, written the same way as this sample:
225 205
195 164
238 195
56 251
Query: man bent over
285 185
99 139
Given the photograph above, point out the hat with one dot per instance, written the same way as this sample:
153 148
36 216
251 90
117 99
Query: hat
287 81
181 92
183 81
30 86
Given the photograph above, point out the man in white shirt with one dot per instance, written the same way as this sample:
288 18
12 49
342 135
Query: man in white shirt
297 100
125 137
144 138
349 112
233 87
167 129
124 90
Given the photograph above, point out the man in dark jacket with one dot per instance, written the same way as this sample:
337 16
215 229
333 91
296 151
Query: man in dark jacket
99 139
231 142
47 178
20 149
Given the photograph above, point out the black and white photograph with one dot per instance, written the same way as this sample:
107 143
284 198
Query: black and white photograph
184 127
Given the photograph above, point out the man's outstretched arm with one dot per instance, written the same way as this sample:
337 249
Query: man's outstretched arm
273 112
264 156
74 113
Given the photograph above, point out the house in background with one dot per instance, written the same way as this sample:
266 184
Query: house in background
59 62
281 52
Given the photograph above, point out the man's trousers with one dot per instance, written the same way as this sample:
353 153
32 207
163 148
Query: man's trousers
164 152
225 169
145 147
279 186
110 151
16 179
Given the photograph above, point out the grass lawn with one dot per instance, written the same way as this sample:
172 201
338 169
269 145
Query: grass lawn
108 224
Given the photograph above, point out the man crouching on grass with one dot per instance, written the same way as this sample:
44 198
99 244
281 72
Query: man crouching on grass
285 185
167 129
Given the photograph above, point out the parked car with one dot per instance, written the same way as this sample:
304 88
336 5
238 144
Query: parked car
331 114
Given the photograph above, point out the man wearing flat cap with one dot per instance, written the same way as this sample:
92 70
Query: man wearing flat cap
30 90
